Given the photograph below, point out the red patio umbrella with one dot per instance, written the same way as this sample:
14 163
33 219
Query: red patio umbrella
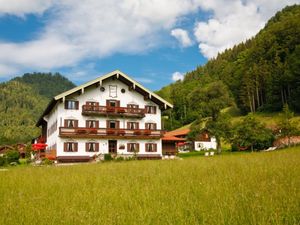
38 147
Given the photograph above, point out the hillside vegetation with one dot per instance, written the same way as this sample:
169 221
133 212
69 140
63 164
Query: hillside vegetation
262 74
254 188
22 101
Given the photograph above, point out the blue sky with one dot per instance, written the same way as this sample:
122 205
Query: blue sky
156 42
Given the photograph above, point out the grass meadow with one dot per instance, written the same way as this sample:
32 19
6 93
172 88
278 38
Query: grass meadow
255 188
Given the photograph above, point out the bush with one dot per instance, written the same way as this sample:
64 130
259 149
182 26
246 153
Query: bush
107 157
12 156
234 148
46 161
2 161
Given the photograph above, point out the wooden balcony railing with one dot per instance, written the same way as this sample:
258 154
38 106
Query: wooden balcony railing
82 132
117 111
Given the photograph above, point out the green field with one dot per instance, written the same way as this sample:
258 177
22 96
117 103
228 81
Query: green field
254 188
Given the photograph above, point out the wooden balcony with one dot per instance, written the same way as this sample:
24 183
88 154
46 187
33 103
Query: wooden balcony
107 133
91 110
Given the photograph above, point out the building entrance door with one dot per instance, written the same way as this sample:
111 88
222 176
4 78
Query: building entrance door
112 146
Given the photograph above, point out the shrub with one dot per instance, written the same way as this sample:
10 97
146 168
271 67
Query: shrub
2 161
46 161
12 156
234 148
107 157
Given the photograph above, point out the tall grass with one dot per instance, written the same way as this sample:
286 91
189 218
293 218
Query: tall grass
257 188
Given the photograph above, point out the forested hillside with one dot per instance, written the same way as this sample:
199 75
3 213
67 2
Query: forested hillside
22 101
46 84
262 74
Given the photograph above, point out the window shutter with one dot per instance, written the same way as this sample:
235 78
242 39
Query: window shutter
138 146
146 146
154 126
65 146
97 147
128 125
75 147
137 125
118 103
75 123
128 147
86 146
154 109
65 123
155 147
66 104
117 124
76 104
97 124
87 123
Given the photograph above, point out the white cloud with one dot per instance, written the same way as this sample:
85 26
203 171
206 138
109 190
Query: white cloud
22 7
177 76
233 21
78 30
182 36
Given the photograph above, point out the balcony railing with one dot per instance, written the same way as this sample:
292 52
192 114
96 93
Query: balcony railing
108 133
117 111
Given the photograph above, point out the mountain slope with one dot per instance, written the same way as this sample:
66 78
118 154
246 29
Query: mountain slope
262 74
46 84
20 106
22 101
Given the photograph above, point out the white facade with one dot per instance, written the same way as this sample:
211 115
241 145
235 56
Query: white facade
108 89
206 145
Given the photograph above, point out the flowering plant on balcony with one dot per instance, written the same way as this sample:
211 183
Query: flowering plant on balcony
122 147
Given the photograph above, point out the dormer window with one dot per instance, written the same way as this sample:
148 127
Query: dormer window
71 104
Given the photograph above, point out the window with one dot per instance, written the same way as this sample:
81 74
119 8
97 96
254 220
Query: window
132 125
92 124
71 104
92 105
71 123
113 91
151 147
70 147
112 103
150 109
92 147
150 126
133 147
112 124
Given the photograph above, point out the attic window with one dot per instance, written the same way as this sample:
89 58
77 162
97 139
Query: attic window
113 91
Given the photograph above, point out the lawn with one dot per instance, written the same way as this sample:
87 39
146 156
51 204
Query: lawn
255 188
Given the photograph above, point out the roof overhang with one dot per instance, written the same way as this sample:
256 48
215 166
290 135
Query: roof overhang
98 81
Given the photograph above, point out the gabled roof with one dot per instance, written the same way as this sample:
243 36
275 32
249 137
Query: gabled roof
172 138
178 132
116 74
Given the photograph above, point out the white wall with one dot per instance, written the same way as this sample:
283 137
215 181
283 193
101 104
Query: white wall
103 147
93 93
205 145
